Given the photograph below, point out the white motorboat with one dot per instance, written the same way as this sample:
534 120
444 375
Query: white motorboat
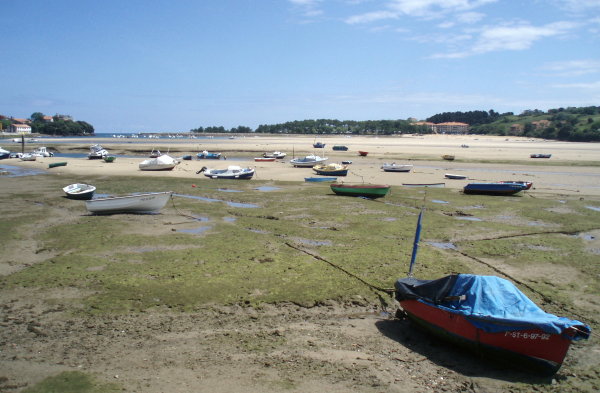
274 154
28 157
161 163
308 161
150 202
42 151
97 152
79 191
393 167
232 172
4 153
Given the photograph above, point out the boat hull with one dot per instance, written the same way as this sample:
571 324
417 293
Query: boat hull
79 191
455 177
397 168
56 164
363 190
320 179
533 348
492 188
139 203
307 162
434 185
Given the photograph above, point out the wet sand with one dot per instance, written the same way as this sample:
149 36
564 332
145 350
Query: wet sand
573 169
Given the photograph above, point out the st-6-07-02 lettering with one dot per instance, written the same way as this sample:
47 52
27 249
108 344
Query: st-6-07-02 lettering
528 336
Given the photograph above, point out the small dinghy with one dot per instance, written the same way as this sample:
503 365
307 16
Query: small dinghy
232 172
80 191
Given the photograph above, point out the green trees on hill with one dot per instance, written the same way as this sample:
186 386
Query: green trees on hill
60 125
569 124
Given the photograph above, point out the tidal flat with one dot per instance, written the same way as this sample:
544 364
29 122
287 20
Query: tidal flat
215 293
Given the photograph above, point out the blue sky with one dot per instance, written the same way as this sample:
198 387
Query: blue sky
174 65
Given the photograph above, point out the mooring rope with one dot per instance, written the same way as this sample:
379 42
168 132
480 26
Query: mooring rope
180 212
389 291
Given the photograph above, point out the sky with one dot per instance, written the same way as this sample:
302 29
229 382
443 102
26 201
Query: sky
174 65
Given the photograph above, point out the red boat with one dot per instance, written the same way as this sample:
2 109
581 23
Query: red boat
488 315
363 153
264 159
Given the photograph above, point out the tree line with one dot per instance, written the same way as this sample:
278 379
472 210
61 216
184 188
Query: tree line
59 126
568 124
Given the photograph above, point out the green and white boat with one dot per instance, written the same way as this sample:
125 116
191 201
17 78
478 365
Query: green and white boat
361 190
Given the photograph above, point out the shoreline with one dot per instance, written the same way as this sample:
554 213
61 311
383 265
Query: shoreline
573 169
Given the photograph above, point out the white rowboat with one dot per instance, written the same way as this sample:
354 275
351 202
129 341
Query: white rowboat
150 202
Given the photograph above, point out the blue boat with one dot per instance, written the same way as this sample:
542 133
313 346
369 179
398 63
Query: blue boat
320 179
318 145
492 188
340 148
207 155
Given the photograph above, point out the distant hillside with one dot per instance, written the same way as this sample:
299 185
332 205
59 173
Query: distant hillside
570 124
567 124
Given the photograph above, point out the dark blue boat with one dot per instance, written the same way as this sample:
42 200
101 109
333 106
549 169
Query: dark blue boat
340 148
492 188
318 145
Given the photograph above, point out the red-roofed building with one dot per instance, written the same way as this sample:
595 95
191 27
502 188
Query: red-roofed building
452 127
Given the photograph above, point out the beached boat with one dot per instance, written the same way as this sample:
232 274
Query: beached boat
492 188
109 158
525 184
264 159
454 177
490 316
80 191
540 155
308 161
232 172
393 167
137 203
320 179
162 163
57 164
155 153
187 157
332 169
434 185
28 157
4 154
363 153
42 151
448 157
318 145
274 154
97 152
361 190
205 155
340 148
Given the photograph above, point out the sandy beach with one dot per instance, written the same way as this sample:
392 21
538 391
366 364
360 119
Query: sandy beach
573 168
211 296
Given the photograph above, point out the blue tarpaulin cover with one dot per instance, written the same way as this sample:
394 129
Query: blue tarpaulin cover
490 303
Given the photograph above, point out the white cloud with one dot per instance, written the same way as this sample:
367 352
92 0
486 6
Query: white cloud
371 17
429 8
573 67
578 5
586 86
424 9
517 37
